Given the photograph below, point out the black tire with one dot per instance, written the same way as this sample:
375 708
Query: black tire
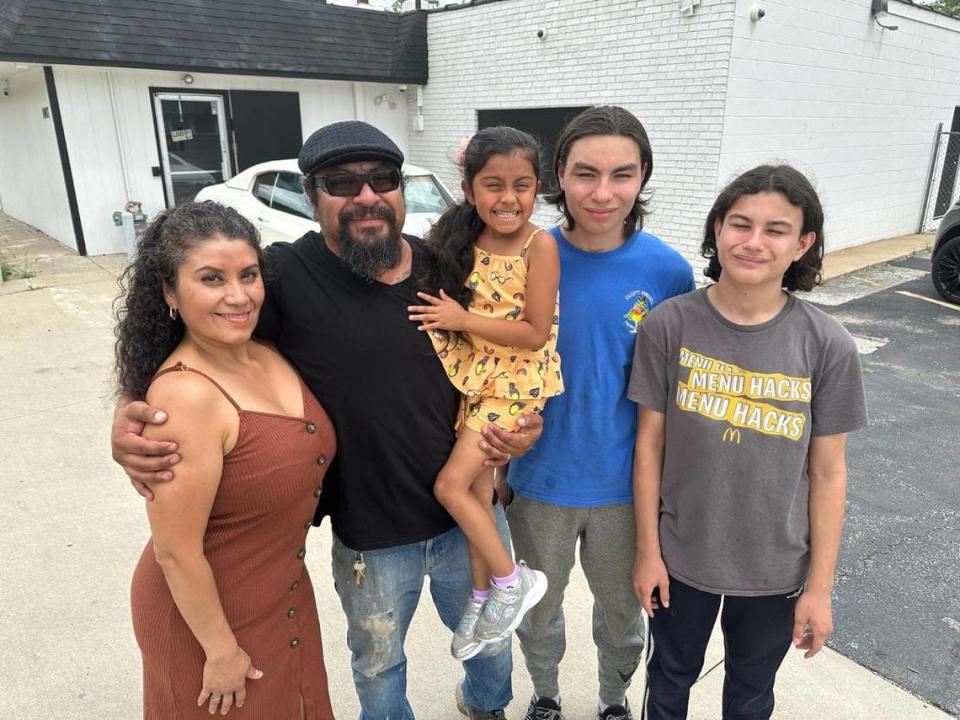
946 270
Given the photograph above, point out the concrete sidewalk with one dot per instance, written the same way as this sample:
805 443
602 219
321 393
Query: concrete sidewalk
71 530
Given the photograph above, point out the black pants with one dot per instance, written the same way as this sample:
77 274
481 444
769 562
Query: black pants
757 632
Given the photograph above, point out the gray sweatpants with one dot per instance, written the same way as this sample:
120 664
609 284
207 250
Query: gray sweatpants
546 535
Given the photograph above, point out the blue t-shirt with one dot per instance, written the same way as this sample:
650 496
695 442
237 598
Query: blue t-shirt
585 456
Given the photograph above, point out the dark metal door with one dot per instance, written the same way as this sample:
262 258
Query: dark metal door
266 126
544 124
193 143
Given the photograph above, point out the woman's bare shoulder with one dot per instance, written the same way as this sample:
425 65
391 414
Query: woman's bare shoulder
195 407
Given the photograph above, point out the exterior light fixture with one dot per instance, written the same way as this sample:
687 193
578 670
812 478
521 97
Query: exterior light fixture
877 8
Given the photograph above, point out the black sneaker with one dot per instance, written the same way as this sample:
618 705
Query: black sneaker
473 713
616 712
543 709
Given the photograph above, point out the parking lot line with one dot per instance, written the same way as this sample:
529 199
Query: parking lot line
929 300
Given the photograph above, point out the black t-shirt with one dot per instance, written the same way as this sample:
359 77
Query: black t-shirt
381 382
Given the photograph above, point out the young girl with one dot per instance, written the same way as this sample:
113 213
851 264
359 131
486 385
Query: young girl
745 396
492 317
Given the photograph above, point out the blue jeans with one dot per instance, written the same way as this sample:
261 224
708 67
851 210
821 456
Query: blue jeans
379 611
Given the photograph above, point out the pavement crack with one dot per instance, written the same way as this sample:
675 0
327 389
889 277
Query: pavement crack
46 410
869 559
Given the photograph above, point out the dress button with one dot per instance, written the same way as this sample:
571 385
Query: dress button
311 428
294 585
322 460
301 553
295 643
292 613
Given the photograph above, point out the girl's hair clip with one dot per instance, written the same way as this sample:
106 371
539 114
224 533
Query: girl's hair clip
460 156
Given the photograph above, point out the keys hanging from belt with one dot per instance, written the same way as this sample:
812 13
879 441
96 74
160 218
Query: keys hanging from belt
359 568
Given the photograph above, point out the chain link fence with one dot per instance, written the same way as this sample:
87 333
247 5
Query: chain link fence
942 180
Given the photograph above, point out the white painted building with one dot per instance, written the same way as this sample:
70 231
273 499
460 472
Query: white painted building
117 117
111 132
818 83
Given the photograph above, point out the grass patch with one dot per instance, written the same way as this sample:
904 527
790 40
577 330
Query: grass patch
11 271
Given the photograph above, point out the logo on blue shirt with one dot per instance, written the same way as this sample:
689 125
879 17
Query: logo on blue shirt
642 304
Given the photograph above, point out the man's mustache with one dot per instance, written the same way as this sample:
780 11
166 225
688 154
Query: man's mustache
375 212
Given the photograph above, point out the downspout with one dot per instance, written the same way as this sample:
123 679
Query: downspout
359 102
116 131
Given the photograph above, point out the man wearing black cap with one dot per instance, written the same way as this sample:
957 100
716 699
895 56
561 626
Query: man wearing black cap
337 308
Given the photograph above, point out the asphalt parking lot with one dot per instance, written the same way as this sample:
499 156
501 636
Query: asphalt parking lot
897 603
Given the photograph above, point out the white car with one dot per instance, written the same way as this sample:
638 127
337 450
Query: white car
271 196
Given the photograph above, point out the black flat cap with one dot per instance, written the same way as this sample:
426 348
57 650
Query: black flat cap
344 142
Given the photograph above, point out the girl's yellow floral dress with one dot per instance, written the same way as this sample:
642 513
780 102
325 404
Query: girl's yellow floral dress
499 382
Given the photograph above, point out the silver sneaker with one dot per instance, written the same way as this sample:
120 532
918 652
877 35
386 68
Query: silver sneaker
506 607
465 644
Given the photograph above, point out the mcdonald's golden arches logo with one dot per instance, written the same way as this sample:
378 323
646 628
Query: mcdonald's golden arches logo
731 435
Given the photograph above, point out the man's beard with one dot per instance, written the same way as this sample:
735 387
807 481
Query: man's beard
376 251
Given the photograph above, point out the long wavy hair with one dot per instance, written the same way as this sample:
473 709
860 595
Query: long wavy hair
604 120
145 332
803 274
449 243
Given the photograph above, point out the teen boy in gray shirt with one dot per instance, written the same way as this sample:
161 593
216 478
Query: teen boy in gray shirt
745 395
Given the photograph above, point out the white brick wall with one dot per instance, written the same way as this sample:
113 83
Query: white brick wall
668 70
821 85
816 83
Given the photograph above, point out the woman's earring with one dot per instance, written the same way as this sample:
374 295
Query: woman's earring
173 313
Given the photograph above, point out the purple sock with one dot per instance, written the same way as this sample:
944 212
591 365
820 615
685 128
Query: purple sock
480 595
508 580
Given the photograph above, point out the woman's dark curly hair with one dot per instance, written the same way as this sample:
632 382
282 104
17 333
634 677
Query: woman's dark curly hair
604 120
803 274
146 335
449 243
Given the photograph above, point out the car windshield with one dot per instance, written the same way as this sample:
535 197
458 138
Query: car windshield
288 196
423 194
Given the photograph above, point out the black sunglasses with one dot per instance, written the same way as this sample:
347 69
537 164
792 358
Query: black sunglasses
381 180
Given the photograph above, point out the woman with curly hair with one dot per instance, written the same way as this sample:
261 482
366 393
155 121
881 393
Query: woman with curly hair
221 595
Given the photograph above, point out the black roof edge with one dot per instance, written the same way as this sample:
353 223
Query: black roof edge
399 78
386 48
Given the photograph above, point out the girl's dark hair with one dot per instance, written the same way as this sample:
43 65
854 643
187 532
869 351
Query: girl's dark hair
146 335
803 274
605 120
449 243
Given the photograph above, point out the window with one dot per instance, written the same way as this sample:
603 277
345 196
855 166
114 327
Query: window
544 124
423 194
263 187
288 196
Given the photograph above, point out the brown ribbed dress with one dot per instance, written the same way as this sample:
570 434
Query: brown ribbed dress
254 543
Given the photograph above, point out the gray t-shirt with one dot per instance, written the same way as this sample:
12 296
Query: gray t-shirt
741 404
